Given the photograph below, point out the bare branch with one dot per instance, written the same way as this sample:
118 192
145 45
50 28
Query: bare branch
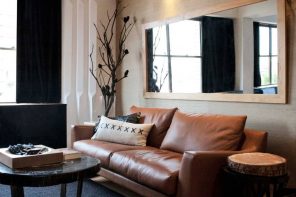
92 67
105 73
102 55
121 79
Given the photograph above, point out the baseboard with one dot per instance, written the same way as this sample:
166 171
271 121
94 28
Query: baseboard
114 187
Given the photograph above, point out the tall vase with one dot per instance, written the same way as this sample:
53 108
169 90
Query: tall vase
102 107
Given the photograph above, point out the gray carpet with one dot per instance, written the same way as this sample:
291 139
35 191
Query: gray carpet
90 189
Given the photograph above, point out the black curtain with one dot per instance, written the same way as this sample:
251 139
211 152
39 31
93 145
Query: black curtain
218 55
39 51
257 76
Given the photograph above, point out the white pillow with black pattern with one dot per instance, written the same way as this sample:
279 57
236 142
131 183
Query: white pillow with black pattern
122 132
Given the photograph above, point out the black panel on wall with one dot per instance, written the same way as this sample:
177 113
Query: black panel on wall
36 124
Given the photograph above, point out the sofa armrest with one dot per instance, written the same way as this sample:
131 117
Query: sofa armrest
81 132
254 140
200 172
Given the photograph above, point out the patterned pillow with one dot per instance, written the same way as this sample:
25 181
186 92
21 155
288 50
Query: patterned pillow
131 118
122 132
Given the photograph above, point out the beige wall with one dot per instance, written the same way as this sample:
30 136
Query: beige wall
278 119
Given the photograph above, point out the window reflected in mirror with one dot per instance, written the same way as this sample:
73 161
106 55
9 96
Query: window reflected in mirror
176 57
233 51
266 58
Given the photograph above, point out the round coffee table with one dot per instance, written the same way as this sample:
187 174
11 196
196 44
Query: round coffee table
62 173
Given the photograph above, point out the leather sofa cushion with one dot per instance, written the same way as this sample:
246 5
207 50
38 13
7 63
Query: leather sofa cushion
160 117
203 132
152 167
101 149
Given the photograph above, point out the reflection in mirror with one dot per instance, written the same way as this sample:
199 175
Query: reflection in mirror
169 47
265 58
233 51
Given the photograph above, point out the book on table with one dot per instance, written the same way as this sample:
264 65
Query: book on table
70 154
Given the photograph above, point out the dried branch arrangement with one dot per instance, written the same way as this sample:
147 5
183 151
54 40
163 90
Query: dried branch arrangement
105 72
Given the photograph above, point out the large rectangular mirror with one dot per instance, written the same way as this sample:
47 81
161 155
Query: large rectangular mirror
230 52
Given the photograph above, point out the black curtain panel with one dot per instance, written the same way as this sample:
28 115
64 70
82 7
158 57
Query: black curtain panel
218 55
39 51
257 76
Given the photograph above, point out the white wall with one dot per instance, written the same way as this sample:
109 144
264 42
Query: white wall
79 89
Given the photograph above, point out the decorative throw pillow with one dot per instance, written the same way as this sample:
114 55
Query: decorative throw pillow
131 118
122 132
204 132
161 117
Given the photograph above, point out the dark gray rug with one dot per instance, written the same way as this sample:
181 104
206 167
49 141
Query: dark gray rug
90 189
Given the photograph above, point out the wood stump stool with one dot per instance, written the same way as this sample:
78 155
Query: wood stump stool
256 174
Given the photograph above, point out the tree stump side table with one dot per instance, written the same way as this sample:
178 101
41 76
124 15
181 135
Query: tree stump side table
255 174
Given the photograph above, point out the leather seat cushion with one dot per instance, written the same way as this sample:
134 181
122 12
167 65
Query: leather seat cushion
204 132
160 117
101 149
152 167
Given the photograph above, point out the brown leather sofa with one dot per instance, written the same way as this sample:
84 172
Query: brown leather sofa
183 156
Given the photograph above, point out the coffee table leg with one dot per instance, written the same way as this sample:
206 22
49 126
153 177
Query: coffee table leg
63 190
79 187
17 191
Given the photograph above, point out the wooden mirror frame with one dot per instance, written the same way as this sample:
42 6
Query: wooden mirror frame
280 97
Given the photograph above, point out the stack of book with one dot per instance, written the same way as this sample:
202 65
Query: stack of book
69 154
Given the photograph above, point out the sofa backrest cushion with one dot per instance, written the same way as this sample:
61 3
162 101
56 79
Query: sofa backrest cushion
203 132
160 117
